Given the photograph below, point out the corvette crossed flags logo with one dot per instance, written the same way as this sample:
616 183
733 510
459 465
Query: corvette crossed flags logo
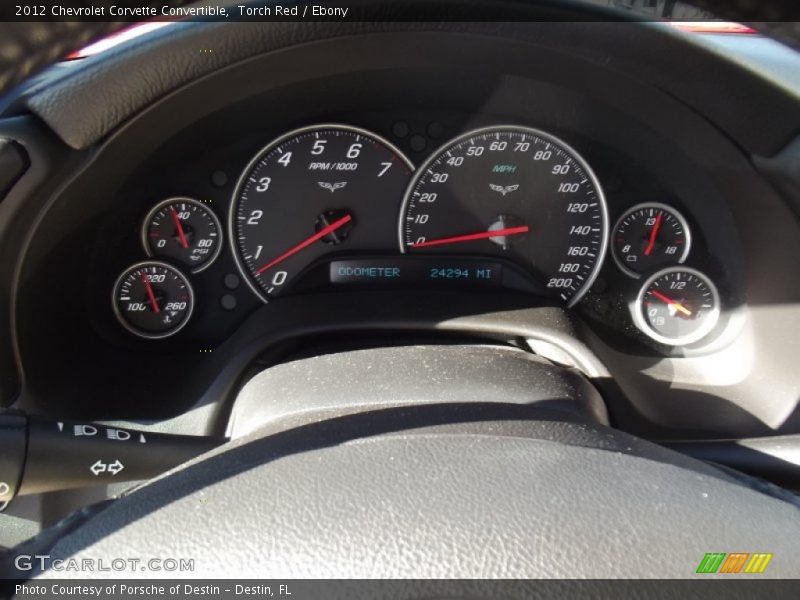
331 187
503 190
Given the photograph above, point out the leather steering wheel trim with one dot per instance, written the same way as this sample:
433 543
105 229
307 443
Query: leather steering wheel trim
484 500
157 69
27 48
478 495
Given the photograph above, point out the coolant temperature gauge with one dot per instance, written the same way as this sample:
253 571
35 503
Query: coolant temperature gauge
182 231
677 306
153 300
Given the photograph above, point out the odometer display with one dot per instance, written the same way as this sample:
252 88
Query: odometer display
513 192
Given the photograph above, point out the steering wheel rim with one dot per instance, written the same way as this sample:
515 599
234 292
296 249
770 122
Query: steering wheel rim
43 43
197 490
371 495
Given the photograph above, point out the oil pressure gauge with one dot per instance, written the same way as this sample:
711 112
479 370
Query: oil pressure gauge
677 306
182 231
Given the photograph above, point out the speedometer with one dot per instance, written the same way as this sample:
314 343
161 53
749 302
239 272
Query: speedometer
513 192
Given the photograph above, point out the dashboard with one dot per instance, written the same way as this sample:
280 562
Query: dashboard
336 206
340 206
241 220
241 256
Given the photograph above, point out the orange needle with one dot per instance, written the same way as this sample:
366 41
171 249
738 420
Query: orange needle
671 302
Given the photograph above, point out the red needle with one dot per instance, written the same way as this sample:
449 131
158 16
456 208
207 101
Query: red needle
653 235
307 242
671 302
473 236
179 227
150 293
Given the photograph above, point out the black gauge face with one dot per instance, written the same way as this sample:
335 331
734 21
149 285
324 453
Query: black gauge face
153 300
512 192
650 236
312 192
183 231
677 306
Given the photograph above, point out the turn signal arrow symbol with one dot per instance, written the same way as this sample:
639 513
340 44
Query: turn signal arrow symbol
101 467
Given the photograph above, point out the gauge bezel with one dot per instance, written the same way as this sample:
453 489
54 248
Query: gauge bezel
578 157
143 334
707 326
186 199
660 205
232 239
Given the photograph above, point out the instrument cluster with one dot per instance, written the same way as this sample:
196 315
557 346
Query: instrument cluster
334 206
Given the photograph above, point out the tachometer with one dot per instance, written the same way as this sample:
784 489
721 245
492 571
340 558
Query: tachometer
311 192
513 192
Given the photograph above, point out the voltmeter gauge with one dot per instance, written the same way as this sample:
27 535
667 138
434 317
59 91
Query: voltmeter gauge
649 236
182 231
677 306
153 300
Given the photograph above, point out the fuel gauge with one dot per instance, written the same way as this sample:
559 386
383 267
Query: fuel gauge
677 306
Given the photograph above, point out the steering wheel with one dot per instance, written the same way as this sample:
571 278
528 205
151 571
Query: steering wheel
444 489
